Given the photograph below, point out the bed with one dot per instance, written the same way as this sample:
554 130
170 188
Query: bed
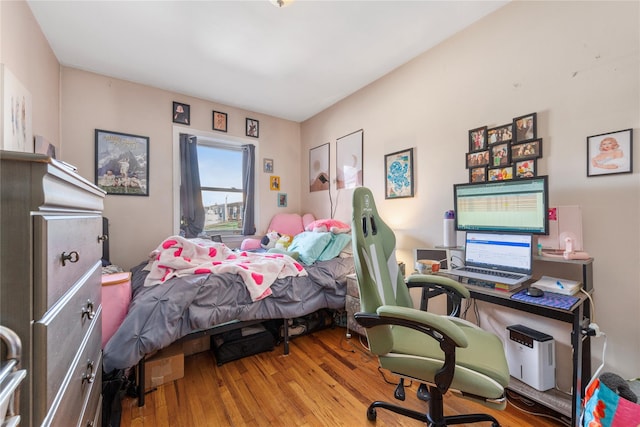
192 302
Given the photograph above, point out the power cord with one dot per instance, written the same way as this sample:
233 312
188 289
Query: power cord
529 403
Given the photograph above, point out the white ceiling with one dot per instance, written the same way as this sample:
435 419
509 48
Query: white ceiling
290 62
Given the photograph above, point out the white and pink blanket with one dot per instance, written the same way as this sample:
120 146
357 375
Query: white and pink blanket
177 257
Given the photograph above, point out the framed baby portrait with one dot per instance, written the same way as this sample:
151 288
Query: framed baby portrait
610 153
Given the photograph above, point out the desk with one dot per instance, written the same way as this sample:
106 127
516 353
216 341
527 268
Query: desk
578 317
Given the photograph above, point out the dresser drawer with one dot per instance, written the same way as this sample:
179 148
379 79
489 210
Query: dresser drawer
61 332
65 248
81 385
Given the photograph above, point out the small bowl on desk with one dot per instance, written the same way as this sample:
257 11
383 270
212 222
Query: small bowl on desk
427 266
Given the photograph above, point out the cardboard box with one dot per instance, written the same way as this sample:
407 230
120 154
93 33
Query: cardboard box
165 366
196 345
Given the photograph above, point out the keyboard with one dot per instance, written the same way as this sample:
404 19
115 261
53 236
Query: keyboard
491 272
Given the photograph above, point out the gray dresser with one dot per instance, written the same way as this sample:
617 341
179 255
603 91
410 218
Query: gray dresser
50 287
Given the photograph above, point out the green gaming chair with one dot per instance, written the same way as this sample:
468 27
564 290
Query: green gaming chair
443 352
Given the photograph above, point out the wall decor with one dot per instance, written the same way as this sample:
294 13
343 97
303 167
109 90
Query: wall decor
267 165
480 158
525 128
500 174
398 176
220 121
274 183
500 154
610 153
526 150
478 174
17 110
122 163
253 127
500 134
181 113
478 139
282 200
525 168
319 178
349 160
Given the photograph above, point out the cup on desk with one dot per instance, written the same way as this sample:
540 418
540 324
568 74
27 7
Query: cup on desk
427 266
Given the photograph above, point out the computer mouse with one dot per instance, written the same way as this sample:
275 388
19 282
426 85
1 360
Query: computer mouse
534 292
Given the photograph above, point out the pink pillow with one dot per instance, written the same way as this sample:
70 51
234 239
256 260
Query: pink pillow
250 244
286 223
332 225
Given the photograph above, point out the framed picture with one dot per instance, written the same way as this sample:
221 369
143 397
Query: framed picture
267 165
500 155
181 113
478 139
398 176
525 128
525 168
319 179
220 121
500 134
274 183
500 173
122 163
526 150
480 158
478 174
610 153
349 160
282 200
253 128
17 111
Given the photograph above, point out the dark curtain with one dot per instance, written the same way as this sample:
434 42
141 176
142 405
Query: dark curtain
191 207
248 169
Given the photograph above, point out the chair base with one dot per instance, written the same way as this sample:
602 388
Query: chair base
433 418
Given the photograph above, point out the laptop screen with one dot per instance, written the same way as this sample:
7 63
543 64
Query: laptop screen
499 251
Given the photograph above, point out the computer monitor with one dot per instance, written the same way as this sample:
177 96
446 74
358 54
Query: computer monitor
513 206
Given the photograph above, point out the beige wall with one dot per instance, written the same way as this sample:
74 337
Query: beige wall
573 63
137 224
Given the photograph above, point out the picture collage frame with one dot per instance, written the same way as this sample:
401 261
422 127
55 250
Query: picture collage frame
508 151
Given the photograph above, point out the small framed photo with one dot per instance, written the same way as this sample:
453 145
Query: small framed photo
500 134
274 183
478 139
525 168
220 121
500 154
480 158
500 174
253 128
526 150
282 200
610 153
181 113
525 128
478 174
398 176
267 165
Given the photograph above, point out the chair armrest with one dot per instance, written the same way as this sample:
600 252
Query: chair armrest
420 319
433 285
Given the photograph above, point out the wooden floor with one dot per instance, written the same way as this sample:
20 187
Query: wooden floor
326 380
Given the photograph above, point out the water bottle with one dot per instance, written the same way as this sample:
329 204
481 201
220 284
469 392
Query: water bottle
449 227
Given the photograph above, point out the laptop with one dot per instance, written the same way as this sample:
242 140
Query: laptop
497 257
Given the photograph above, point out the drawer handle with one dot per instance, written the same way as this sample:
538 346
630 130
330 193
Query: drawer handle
88 310
72 257
89 376
103 238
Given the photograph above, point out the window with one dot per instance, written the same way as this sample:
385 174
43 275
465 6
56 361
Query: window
221 178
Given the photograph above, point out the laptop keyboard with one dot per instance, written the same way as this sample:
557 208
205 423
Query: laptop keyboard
492 273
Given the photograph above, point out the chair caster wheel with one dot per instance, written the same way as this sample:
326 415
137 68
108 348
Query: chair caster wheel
371 414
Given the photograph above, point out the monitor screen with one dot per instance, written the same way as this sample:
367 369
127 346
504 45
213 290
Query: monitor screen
517 206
